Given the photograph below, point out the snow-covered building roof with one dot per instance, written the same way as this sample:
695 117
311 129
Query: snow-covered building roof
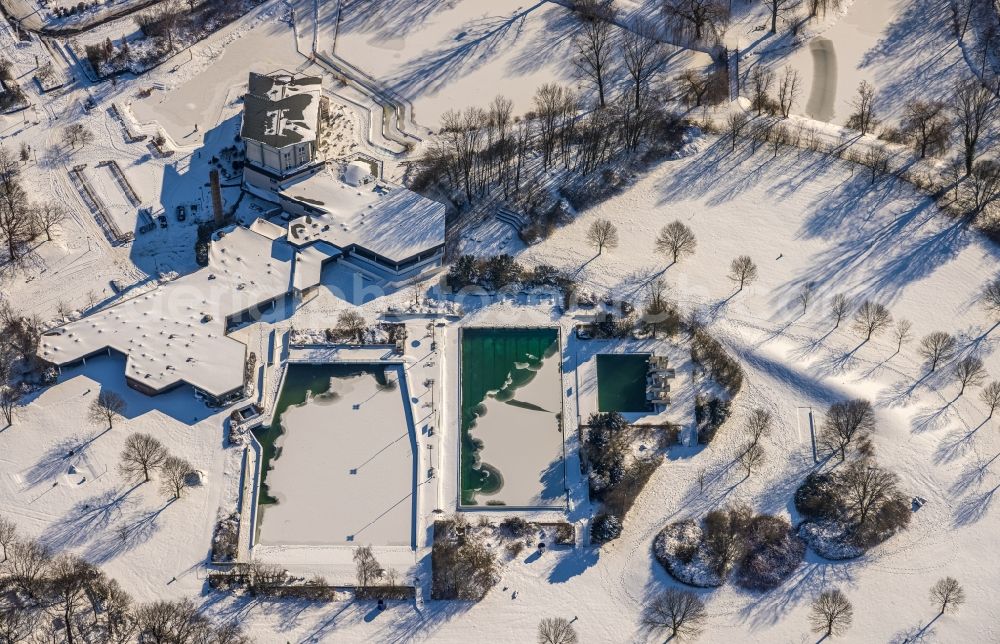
177 333
280 109
309 263
390 221
267 229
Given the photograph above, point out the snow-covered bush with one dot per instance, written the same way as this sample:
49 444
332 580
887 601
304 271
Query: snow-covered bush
225 539
681 551
773 552
760 551
710 413
606 527
851 509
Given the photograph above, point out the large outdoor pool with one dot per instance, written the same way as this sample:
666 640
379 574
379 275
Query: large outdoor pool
337 464
512 443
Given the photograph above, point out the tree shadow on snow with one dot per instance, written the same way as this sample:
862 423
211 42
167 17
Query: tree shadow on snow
89 518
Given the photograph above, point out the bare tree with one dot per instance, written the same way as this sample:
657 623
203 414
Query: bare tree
781 8
845 423
876 159
926 122
863 117
556 630
119 618
969 372
736 123
902 333
839 308
947 594
820 7
28 564
831 613
70 578
107 408
761 80
695 86
142 453
991 298
77 134
16 624
9 398
743 271
984 184
974 108
8 534
679 612
594 43
751 456
936 347
871 318
867 487
175 476
758 425
990 395
644 58
602 234
351 325
697 18
676 239
806 295
48 215
789 89
15 217
367 567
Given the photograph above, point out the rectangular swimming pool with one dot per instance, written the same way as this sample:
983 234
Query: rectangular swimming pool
338 465
621 382
511 407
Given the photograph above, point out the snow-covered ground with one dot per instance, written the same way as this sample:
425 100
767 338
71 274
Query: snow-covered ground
450 55
803 218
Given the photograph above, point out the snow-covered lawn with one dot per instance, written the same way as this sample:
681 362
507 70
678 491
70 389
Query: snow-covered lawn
450 55
59 481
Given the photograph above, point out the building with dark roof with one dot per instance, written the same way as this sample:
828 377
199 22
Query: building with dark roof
281 125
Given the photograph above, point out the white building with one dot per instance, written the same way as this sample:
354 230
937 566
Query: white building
378 227
281 127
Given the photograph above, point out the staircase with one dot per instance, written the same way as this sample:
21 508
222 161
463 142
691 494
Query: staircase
513 219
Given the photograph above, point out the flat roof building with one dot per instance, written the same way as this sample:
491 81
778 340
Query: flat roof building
177 333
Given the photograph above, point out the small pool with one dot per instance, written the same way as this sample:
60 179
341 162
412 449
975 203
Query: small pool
621 382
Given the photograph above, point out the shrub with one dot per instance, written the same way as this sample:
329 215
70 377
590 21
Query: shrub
817 498
773 552
710 414
516 527
606 527
708 352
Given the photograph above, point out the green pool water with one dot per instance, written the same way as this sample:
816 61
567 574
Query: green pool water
299 380
489 357
621 382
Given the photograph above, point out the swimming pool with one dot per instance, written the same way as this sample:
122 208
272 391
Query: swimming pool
511 413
